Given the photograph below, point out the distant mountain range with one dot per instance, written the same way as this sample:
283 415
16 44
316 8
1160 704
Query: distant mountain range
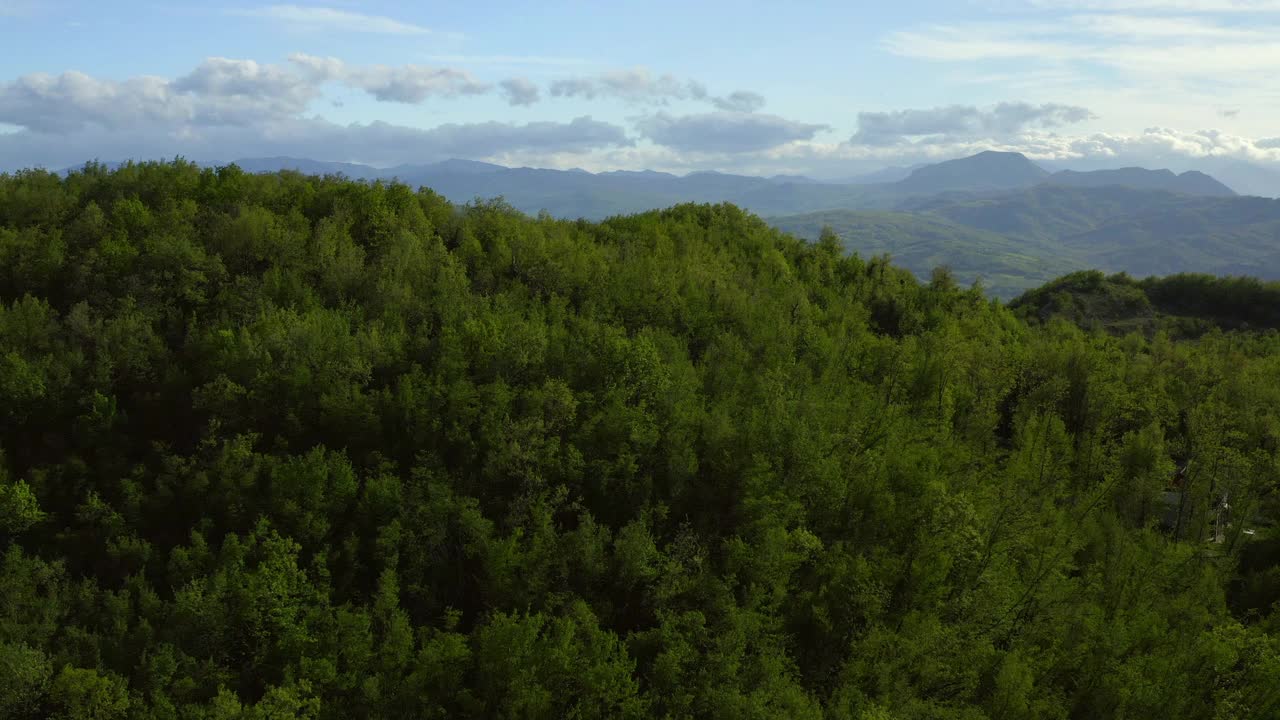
920 242
577 193
1188 183
995 215
1018 240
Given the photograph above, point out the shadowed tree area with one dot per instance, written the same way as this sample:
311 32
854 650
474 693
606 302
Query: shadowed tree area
279 446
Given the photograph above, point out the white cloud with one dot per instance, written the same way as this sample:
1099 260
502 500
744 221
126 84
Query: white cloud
225 91
519 91
226 108
245 85
725 132
72 100
1152 47
639 86
374 143
413 83
1130 65
312 18
634 85
963 121
1154 148
219 91
739 101
405 84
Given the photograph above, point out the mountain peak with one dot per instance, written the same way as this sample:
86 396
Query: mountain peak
458 165
648 174
783 179
988 170
1188 183
1001 154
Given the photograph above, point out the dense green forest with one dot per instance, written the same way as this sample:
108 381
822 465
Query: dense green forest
279 446
1185 305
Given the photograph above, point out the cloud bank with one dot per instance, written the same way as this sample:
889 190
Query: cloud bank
724 132
641 87
963 121
219 91
375 143
520 91
226 108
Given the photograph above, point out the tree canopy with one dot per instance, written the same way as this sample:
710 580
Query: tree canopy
279 446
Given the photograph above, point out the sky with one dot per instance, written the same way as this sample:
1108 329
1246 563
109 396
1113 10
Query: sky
827 89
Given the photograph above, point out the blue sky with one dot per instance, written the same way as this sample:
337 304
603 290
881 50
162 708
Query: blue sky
825 88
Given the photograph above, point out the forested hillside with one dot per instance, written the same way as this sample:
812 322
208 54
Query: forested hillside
1188 183
577 193
278 446
1121 229
1018 242
1186 305
920 242
994 215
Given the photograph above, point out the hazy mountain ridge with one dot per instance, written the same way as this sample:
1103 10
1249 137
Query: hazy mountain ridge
921 242
576 193
1116 229
1045 212
1234 236
1191 182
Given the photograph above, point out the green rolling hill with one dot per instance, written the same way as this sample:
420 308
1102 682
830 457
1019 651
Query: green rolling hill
1185 305
921 243
1118 229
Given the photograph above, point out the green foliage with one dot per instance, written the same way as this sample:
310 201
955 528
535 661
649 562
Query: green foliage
24 680
278 446
84 694
1182 305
